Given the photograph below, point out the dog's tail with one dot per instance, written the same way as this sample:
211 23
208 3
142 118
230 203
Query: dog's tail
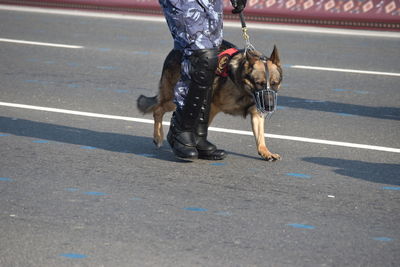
146 104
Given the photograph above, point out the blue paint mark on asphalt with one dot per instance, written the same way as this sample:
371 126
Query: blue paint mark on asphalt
73 85
95 193
217 164
46 82
361 92
121 91
40 141
72 189
101 89
384 239
72 64
287 65
73 256
301 226
32 60
104 49
88 147
391 188
280 108
5 179
144 53
340 90
344 114
31 81
194 209
299 175
4 134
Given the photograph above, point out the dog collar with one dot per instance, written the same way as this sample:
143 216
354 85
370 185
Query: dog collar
223 61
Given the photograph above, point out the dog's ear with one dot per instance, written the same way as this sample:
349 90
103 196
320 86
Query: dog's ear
251 57
275 56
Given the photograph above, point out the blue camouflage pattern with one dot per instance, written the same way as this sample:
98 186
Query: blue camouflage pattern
194 24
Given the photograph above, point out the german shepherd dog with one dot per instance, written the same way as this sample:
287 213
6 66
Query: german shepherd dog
232 95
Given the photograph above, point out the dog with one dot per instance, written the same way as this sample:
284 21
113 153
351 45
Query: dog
233 94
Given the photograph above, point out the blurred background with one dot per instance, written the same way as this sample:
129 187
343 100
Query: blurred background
366 14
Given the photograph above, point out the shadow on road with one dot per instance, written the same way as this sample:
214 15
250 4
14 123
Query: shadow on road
388 113
384 173
115 142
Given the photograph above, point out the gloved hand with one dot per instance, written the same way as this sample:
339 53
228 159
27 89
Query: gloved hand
238 5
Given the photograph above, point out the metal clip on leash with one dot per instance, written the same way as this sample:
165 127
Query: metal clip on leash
246 37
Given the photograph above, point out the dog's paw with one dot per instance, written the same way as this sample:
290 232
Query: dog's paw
268 156
157 142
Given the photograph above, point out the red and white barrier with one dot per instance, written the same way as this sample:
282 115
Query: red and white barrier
373 14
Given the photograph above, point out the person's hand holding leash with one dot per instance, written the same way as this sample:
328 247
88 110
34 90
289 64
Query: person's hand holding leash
238 5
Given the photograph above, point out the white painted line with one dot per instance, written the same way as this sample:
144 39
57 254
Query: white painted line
80 13
74 112
39 43
345 70
250 25
215 129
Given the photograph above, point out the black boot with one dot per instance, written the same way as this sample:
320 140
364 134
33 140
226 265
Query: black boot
205 149
181 139
181 135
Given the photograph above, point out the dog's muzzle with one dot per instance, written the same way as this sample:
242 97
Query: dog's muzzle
266 101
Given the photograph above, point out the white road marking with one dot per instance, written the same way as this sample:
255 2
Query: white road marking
229 24
234 24
215 129
290 66
39 43
345 70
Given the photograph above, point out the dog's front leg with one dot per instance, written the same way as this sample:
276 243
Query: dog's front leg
257 123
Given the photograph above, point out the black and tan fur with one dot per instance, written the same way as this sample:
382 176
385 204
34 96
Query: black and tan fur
231 95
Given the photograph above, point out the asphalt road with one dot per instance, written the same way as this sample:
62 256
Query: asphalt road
78 190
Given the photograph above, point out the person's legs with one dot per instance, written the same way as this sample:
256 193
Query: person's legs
196 26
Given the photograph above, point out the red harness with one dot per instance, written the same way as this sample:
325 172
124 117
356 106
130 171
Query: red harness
223 61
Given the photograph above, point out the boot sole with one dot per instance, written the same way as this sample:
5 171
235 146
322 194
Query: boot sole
212 157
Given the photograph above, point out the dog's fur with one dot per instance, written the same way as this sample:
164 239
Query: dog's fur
231 95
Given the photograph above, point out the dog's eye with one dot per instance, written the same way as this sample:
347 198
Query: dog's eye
274 85
260 83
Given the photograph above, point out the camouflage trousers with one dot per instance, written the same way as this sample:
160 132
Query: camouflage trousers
194 24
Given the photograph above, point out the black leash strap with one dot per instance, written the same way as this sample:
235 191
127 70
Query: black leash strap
246 37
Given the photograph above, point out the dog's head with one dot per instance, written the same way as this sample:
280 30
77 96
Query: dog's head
260 77
259 71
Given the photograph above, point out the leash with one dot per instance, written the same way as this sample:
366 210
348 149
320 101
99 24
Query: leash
245 35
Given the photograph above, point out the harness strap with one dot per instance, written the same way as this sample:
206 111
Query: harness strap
223 61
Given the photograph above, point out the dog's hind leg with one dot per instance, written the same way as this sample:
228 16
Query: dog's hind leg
213 112
158 114
257 123
169 77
